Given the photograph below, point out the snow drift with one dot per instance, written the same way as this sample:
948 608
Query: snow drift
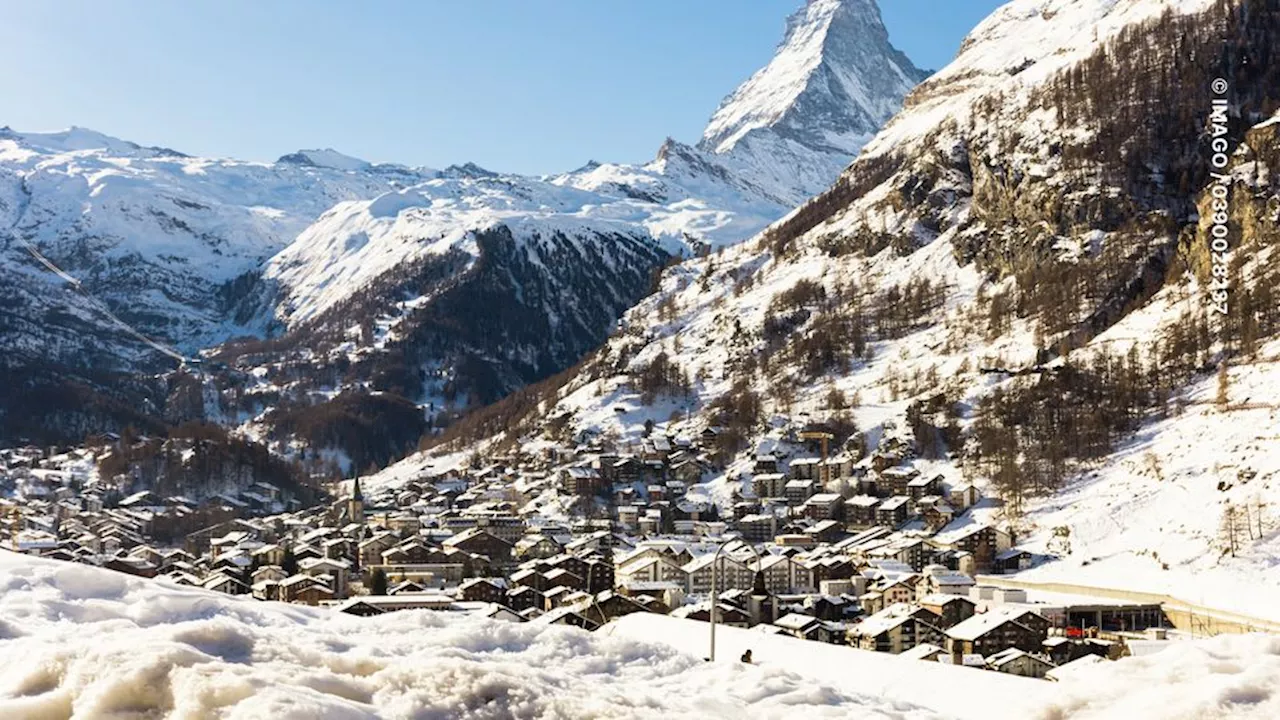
80 642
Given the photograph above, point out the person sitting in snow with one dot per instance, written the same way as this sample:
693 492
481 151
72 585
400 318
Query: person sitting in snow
746 657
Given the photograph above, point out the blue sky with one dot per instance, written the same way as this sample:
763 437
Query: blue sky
528 86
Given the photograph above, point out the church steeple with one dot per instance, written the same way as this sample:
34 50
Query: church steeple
355 504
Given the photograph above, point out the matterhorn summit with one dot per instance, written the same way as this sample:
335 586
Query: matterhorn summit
832 84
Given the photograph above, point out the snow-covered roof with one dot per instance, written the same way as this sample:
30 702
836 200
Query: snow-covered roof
983 623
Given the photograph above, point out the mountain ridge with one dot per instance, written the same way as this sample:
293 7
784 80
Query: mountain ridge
114 251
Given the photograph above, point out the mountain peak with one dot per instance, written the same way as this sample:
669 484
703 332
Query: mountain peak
832 83
327 158
834 77
73 139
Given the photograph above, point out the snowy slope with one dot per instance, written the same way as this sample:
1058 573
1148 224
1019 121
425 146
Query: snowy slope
354 243
79 642
152 234
1228 677
1019 46
1151 517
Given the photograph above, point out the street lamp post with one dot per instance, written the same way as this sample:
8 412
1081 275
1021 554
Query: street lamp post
715 567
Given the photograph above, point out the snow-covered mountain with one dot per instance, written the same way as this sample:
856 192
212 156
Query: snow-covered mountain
1016 281
118 257
833 82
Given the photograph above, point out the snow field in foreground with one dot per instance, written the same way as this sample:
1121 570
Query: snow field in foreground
80 642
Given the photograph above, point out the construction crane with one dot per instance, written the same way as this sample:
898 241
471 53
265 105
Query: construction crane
826 438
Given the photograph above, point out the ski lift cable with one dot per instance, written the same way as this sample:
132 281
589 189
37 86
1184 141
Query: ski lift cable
101 306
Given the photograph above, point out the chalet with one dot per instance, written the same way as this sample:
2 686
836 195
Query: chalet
406 586
599 575
609 605
271 554
404 601
897 479
370 550
1013 560
578 566
361 608
481 542
950 609
336 549
265 589
269 572
804 627
899 590
555 597
998 629
225 584
1069 669
765 463
726 614
785 574
580 480
336 570
939 580
536 546
910 550
651 568
624 470
896 628
709 437
143 568
524 597
935 511
568 616
835 567
922 485
1017 662
924 651
826 607
983 542
560 577
963 496
483 590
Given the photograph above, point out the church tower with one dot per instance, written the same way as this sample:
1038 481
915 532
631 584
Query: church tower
355 504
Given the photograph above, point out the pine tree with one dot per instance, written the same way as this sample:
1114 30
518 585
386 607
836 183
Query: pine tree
1229 529
378 582
289 563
